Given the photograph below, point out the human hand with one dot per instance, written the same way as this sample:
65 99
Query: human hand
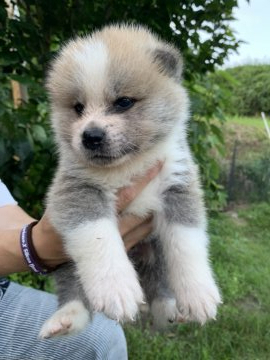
134 229
48 243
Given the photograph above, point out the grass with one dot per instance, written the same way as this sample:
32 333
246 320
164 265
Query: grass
240 252
247 121
250 180
249 134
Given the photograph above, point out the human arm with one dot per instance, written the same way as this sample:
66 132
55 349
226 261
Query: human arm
47 242
12 219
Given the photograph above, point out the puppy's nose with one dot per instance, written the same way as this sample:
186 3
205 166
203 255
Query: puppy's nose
92 138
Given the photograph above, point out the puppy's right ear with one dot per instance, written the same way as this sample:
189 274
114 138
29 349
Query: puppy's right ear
169 61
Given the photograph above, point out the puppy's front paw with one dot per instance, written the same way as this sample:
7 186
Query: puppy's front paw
197 300
70 319
118 295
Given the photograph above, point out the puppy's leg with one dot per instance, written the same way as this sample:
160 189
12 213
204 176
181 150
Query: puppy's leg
84 215
163 304
182 228
72 315
107 276
69 319
149 260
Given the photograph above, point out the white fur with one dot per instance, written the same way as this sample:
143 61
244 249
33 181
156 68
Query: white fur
107 275
92 67
69 319
189 273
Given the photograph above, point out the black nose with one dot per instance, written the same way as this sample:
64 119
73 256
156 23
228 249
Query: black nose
92 138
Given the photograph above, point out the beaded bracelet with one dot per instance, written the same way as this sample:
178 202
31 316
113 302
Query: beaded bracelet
29 252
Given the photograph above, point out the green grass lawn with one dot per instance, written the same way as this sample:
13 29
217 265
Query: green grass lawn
247 121
240 251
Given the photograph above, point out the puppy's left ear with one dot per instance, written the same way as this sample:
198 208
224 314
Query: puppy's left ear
169 61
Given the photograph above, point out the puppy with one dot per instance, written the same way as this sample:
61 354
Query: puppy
118 107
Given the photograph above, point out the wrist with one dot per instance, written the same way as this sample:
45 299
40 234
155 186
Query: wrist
29 252
47 244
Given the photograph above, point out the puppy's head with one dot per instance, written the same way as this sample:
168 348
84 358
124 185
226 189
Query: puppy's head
115 94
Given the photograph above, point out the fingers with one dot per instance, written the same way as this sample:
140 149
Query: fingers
132 228
138 233
127 194
129 222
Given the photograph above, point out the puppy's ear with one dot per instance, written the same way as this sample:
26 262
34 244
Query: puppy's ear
169 61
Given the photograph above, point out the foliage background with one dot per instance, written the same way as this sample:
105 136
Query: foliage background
247 89
28 41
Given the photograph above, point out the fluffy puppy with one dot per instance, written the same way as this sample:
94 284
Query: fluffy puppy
117 107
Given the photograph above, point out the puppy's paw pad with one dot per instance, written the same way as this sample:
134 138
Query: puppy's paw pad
70 319
53 328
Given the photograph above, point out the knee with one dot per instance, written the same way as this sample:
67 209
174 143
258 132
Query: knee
117 346
108 342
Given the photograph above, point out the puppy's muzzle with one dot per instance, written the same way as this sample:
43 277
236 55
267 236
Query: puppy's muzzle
93 139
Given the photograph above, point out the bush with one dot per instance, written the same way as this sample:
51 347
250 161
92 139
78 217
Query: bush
248 89
27 156
206 137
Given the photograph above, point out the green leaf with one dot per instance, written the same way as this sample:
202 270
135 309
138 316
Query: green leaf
39 133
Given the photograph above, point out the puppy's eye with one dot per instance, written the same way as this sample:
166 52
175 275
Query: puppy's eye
123 103
79 107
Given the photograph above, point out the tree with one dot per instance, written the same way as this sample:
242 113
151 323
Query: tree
199 28
29 40
248 87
